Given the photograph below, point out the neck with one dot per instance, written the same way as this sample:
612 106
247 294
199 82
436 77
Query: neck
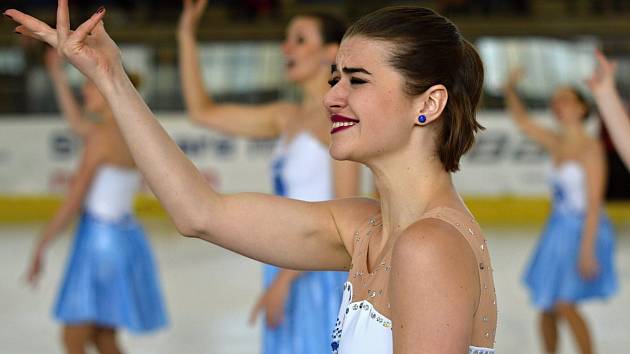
315 89
408 190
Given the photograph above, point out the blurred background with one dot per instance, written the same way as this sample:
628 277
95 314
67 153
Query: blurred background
209 291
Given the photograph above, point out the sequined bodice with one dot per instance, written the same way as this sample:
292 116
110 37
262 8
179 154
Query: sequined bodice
363 324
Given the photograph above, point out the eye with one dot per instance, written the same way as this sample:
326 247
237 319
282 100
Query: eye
300 40
332 82
357 81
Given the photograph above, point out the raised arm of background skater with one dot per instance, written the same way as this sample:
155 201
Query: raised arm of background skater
541 135
71 109
258 121
613 113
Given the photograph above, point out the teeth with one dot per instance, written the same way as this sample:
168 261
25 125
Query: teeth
342 124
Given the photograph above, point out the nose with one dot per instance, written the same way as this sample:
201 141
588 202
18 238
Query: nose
336 99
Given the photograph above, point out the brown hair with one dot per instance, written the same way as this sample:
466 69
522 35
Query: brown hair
429 50
331 27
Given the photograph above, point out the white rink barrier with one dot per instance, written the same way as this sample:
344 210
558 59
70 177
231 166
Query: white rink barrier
38 155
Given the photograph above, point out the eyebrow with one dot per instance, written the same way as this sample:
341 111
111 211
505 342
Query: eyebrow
334 68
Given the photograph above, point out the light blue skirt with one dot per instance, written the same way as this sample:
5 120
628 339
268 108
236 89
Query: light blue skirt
553 273
310 313
111 279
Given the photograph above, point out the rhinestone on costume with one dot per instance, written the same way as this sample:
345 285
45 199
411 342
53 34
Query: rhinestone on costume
372 221
487 335
373 315
355 307
457 224
347 310
387 324
471 231
482 266
371 293
484 318
379 320
483 247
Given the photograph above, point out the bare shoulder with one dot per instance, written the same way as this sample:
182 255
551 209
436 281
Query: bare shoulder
433 246
434 285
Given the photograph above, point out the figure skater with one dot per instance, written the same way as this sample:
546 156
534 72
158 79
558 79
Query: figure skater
405 87
573 260
110 280
302 168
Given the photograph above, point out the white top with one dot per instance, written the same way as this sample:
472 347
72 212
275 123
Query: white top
112 191
568 186
366 331
304 166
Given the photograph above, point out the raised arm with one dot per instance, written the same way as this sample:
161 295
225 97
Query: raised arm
288 233
543 136
91 159
258 121
70 108
602 84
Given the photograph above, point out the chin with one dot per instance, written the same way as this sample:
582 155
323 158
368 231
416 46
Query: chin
340 152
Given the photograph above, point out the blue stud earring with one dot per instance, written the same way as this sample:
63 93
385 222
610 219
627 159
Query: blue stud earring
422 118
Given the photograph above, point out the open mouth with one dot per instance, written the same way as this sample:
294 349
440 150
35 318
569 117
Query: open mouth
340 123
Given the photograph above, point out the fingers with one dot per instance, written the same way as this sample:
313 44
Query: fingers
88 26
63 21
32 27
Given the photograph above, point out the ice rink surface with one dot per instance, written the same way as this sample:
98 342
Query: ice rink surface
209 292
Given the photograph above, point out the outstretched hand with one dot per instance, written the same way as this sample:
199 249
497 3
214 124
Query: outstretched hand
191 14
89 48
272 303
604 75
35 267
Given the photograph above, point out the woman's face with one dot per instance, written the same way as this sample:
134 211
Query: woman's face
92 99
566 106
371 114
303 49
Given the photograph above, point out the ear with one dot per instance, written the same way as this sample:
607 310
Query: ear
431 104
